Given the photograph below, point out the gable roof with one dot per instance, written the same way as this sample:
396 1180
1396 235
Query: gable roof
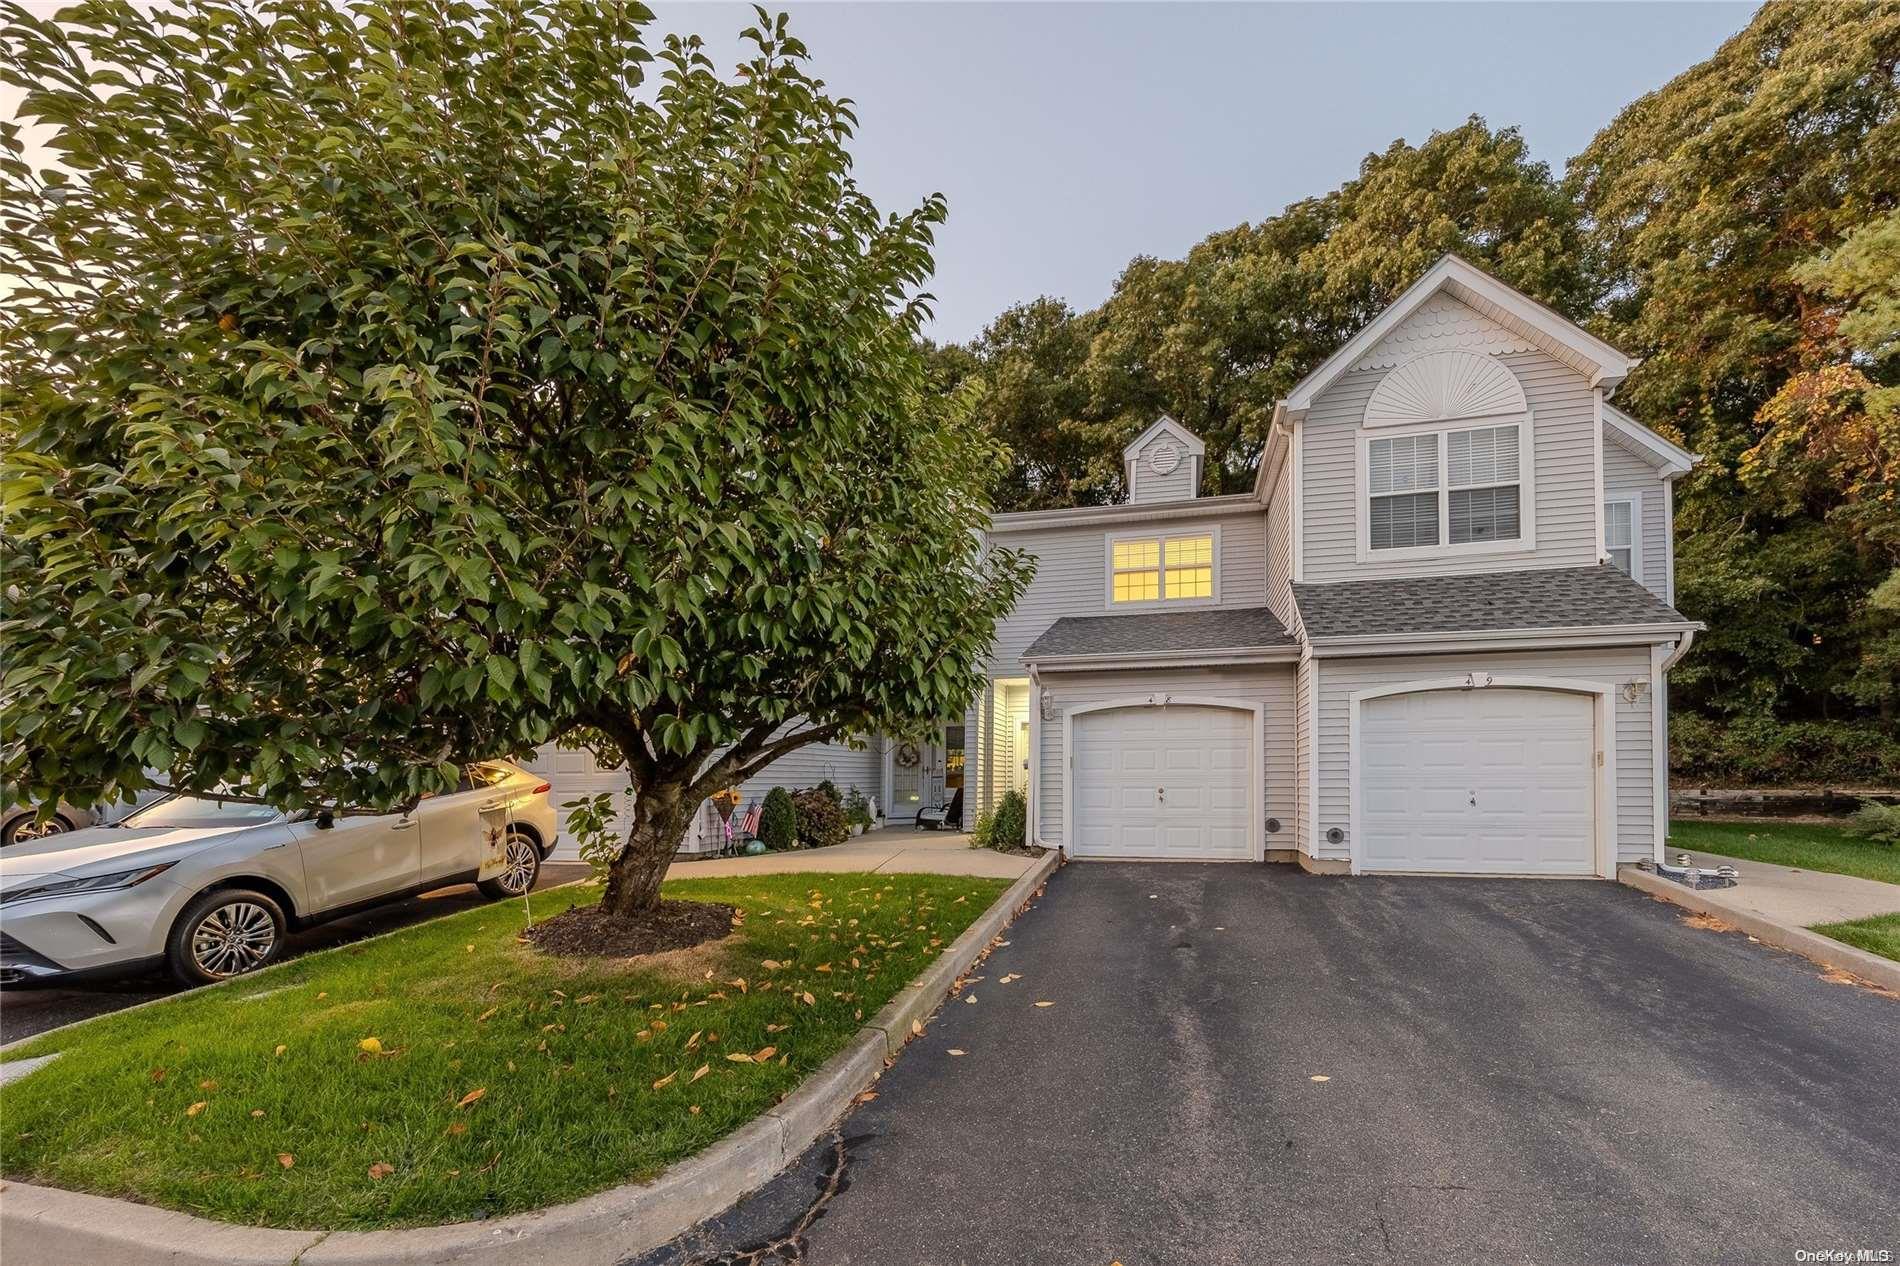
1196 446
1564 339
1671 459
1596 597
1200 632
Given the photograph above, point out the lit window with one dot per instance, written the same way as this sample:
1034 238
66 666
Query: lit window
1137 571
1619 536
1180 567
1191 567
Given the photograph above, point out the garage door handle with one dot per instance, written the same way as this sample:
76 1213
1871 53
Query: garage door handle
1473 795
1161 794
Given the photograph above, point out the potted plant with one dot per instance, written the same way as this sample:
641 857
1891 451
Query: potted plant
857 811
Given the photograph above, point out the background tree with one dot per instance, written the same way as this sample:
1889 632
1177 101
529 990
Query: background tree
421 382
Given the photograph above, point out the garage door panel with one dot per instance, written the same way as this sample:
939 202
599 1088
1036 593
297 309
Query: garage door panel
1173 781
1496 781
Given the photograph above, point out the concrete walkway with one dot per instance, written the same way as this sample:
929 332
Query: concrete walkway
1802 898
890 851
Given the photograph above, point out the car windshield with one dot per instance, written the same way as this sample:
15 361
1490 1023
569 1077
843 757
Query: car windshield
201 811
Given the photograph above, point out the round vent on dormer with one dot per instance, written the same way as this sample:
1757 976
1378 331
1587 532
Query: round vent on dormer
1164 457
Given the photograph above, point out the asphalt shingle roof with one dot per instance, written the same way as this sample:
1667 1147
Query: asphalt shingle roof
1204 629
1559 598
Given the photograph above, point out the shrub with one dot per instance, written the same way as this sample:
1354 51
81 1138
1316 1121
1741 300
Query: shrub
1758 751
821 820
1877 822
857 809
778 819
1003 826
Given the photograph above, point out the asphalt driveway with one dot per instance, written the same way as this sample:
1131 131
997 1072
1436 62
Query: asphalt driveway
26 1011
1517 1071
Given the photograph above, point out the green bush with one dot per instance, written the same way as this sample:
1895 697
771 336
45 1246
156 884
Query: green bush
1002 827
857 809
1757 751
821 820
778 819
1877 822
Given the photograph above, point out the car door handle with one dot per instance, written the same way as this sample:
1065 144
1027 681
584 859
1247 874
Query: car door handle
492 804
402 825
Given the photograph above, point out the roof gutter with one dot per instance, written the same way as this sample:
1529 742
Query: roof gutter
1439 641
1085 516
1194 658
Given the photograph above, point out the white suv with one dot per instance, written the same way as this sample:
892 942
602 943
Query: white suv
209 886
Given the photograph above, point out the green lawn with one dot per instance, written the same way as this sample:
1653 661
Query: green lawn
1878 935
256 1102
1807 846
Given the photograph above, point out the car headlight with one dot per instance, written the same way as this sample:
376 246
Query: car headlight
91 883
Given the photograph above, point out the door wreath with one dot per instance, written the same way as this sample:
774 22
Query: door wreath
908 755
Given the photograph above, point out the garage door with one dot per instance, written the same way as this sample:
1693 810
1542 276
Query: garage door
1163 782
576 775
1493 781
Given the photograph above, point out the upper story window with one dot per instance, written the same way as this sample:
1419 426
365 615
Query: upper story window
1161 568
1619 535
1460 486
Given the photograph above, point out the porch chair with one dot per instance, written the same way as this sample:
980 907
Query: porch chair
937 817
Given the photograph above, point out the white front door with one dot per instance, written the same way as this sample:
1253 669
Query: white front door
1493 781
1163 782
917 779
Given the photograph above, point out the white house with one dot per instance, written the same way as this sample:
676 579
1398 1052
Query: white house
1435 637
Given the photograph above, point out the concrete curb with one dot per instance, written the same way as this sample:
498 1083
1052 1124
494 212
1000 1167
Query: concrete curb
1824 950
47 1224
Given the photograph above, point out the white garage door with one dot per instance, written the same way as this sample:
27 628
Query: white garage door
575 775
1166 782
1493 781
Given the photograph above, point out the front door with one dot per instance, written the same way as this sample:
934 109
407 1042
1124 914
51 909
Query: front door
917 774
360 857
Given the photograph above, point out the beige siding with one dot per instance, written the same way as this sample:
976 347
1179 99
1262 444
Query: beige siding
1269 685
1071 575
1627 476
1635 827
1280 545
1563 413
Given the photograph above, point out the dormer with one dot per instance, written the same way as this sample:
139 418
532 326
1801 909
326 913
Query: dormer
1163 463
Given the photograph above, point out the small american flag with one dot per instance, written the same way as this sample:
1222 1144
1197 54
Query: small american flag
749 825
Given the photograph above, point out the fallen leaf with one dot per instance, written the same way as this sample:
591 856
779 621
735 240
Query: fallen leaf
1319 1077
955 1051
471 1096
740 1057
158 1075
694 1109
486 1014
207 1084
692 1043
372 1045
916 1028
809 1000
969 997
257 1112
699 1072
195 1108
286 1159
587 998
381 1170
665 1081
1045 1004
279 1052
764 1054
456 1127
771 964
865 1097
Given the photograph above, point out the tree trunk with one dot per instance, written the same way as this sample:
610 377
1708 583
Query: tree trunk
660 819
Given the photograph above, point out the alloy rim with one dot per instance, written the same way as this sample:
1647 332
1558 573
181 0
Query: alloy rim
520 865
233 939
32 830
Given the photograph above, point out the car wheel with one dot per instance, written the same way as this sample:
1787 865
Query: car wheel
522 869
25 827
225 933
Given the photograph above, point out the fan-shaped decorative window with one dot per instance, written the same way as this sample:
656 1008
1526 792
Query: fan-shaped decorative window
1440 386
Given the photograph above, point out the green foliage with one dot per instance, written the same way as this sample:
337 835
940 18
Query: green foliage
414 381
778 819
1004 826
821 818
857 808
1759 751
1877 822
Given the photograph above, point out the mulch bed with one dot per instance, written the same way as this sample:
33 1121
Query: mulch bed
589 931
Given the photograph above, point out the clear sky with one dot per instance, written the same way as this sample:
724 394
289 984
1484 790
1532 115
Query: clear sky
1069 138
1072 137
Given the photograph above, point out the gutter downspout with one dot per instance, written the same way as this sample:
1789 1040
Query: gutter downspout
1682 648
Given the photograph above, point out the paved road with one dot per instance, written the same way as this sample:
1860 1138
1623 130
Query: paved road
1520 1071
25 1012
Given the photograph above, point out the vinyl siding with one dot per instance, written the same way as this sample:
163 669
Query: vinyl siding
1563 414
1271 686
1071 575
1280 545
1177 485
1635 827
1305 686
1626 475
816 762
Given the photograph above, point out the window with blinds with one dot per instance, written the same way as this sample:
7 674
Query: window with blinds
1444 487
1179 568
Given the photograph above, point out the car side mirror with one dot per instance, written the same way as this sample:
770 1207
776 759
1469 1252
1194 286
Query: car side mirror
325 819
